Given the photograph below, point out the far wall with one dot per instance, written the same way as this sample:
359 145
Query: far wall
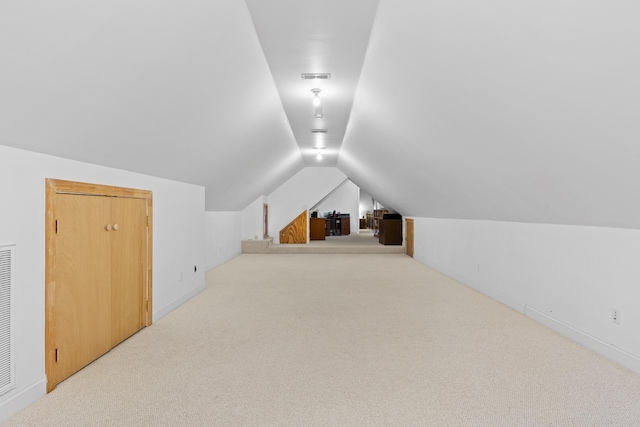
304 190
366 203
343 200
222 236
251 220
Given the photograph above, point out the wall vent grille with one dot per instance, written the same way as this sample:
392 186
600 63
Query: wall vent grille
319 130
7 365
316 76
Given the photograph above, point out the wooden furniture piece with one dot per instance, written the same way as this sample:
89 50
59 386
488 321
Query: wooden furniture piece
345 225
377 216
363 223
340 225
316 228
390 230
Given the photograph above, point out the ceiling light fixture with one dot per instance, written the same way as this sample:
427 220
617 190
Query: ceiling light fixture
319 157
317 103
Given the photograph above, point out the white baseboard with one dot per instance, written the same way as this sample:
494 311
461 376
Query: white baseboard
501 298
159 314
619 356
22 399
221 261
615 354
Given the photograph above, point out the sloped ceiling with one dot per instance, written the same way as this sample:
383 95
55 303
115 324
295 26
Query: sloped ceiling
179 90
519 111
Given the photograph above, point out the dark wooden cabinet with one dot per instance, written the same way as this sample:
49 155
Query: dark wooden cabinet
316 228
338 226
390 232
345 225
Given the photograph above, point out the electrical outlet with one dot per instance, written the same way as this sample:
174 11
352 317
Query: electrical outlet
615 316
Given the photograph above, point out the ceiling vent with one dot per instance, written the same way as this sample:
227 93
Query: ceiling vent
319 130
316 76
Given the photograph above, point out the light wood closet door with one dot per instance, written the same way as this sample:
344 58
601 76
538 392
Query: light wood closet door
98 271
409 237
83 282
128 267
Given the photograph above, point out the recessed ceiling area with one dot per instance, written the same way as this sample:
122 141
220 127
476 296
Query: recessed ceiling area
315 46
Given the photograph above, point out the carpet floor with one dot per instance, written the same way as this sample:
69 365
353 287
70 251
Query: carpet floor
342 340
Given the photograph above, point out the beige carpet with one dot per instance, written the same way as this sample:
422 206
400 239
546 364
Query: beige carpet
363 238
342 340
355 243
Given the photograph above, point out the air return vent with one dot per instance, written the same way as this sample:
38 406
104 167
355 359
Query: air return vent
7 368
319 130
316 76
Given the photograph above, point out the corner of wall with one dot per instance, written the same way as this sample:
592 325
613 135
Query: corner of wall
168 308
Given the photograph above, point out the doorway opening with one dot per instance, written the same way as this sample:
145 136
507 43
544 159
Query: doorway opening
265 221
409 236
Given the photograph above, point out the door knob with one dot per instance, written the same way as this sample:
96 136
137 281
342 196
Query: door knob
108 227
115 227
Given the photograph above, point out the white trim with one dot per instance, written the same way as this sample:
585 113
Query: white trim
619 356
615 354
21 400
159 314
221 261
501 298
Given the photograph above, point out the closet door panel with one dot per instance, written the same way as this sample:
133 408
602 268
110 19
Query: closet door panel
83 282
128 267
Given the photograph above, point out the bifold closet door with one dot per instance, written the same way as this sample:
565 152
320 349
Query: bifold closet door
128 267
83 282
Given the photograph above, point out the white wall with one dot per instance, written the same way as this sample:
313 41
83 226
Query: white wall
251 220
344 200
366 203
222 230
178 246
299 193
566 277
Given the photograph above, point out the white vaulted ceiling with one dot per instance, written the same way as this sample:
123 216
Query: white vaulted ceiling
302 37
518 111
